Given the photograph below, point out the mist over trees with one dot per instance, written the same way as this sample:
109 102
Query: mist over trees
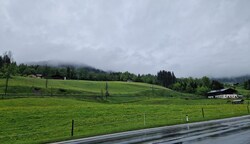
247 84
82 73
239 79
164 78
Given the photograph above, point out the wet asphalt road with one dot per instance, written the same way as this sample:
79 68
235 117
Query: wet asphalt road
225 131
241 137
237 132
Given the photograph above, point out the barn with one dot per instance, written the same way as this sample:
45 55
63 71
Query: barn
223 93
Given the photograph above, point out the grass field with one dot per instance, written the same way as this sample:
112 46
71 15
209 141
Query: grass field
25 85
44 118
120 92
243 91
39 120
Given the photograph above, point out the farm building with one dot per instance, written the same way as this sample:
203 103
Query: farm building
57 76
36 76
223 93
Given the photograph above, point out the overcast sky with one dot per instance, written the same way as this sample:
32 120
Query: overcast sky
189 37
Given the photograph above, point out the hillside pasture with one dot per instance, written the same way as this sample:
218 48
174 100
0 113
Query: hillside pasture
81 89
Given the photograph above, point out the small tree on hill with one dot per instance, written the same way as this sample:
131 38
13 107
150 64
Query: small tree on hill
216 85
46 74
106 90
8 69
247 85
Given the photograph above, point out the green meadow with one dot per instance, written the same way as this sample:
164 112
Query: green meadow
40 117
120 92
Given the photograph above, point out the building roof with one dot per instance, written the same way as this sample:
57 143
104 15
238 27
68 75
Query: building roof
222 91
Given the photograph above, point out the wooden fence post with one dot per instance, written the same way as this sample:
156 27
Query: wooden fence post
72 128
144 119
50 91
203 112
248 109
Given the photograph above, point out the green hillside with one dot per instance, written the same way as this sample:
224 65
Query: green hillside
243 91
32 113
25 86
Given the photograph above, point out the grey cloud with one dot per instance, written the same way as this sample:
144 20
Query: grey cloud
191 37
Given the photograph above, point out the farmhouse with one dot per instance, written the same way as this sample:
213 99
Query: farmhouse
223 93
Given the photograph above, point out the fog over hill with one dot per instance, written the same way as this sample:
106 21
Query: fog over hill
190 37
57 63
64 64
238 79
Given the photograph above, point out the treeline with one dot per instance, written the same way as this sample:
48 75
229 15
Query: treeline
77 73
7 68
198 86
82 73
247 84
164 78
7 65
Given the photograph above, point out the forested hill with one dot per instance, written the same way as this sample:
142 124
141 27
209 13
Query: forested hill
58 70
164 78
63 64
239 79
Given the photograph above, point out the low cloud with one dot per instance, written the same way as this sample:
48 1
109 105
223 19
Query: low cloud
191 37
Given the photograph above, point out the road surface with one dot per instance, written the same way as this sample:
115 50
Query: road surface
235 132
228 131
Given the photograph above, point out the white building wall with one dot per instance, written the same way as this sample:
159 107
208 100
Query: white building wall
210 97
224 96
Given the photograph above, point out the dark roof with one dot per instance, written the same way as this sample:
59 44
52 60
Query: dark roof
57 76
222 91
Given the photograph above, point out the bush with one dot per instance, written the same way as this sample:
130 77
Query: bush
202 90
62 90
36 88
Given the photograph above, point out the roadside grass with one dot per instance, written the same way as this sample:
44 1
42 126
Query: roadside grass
40 120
